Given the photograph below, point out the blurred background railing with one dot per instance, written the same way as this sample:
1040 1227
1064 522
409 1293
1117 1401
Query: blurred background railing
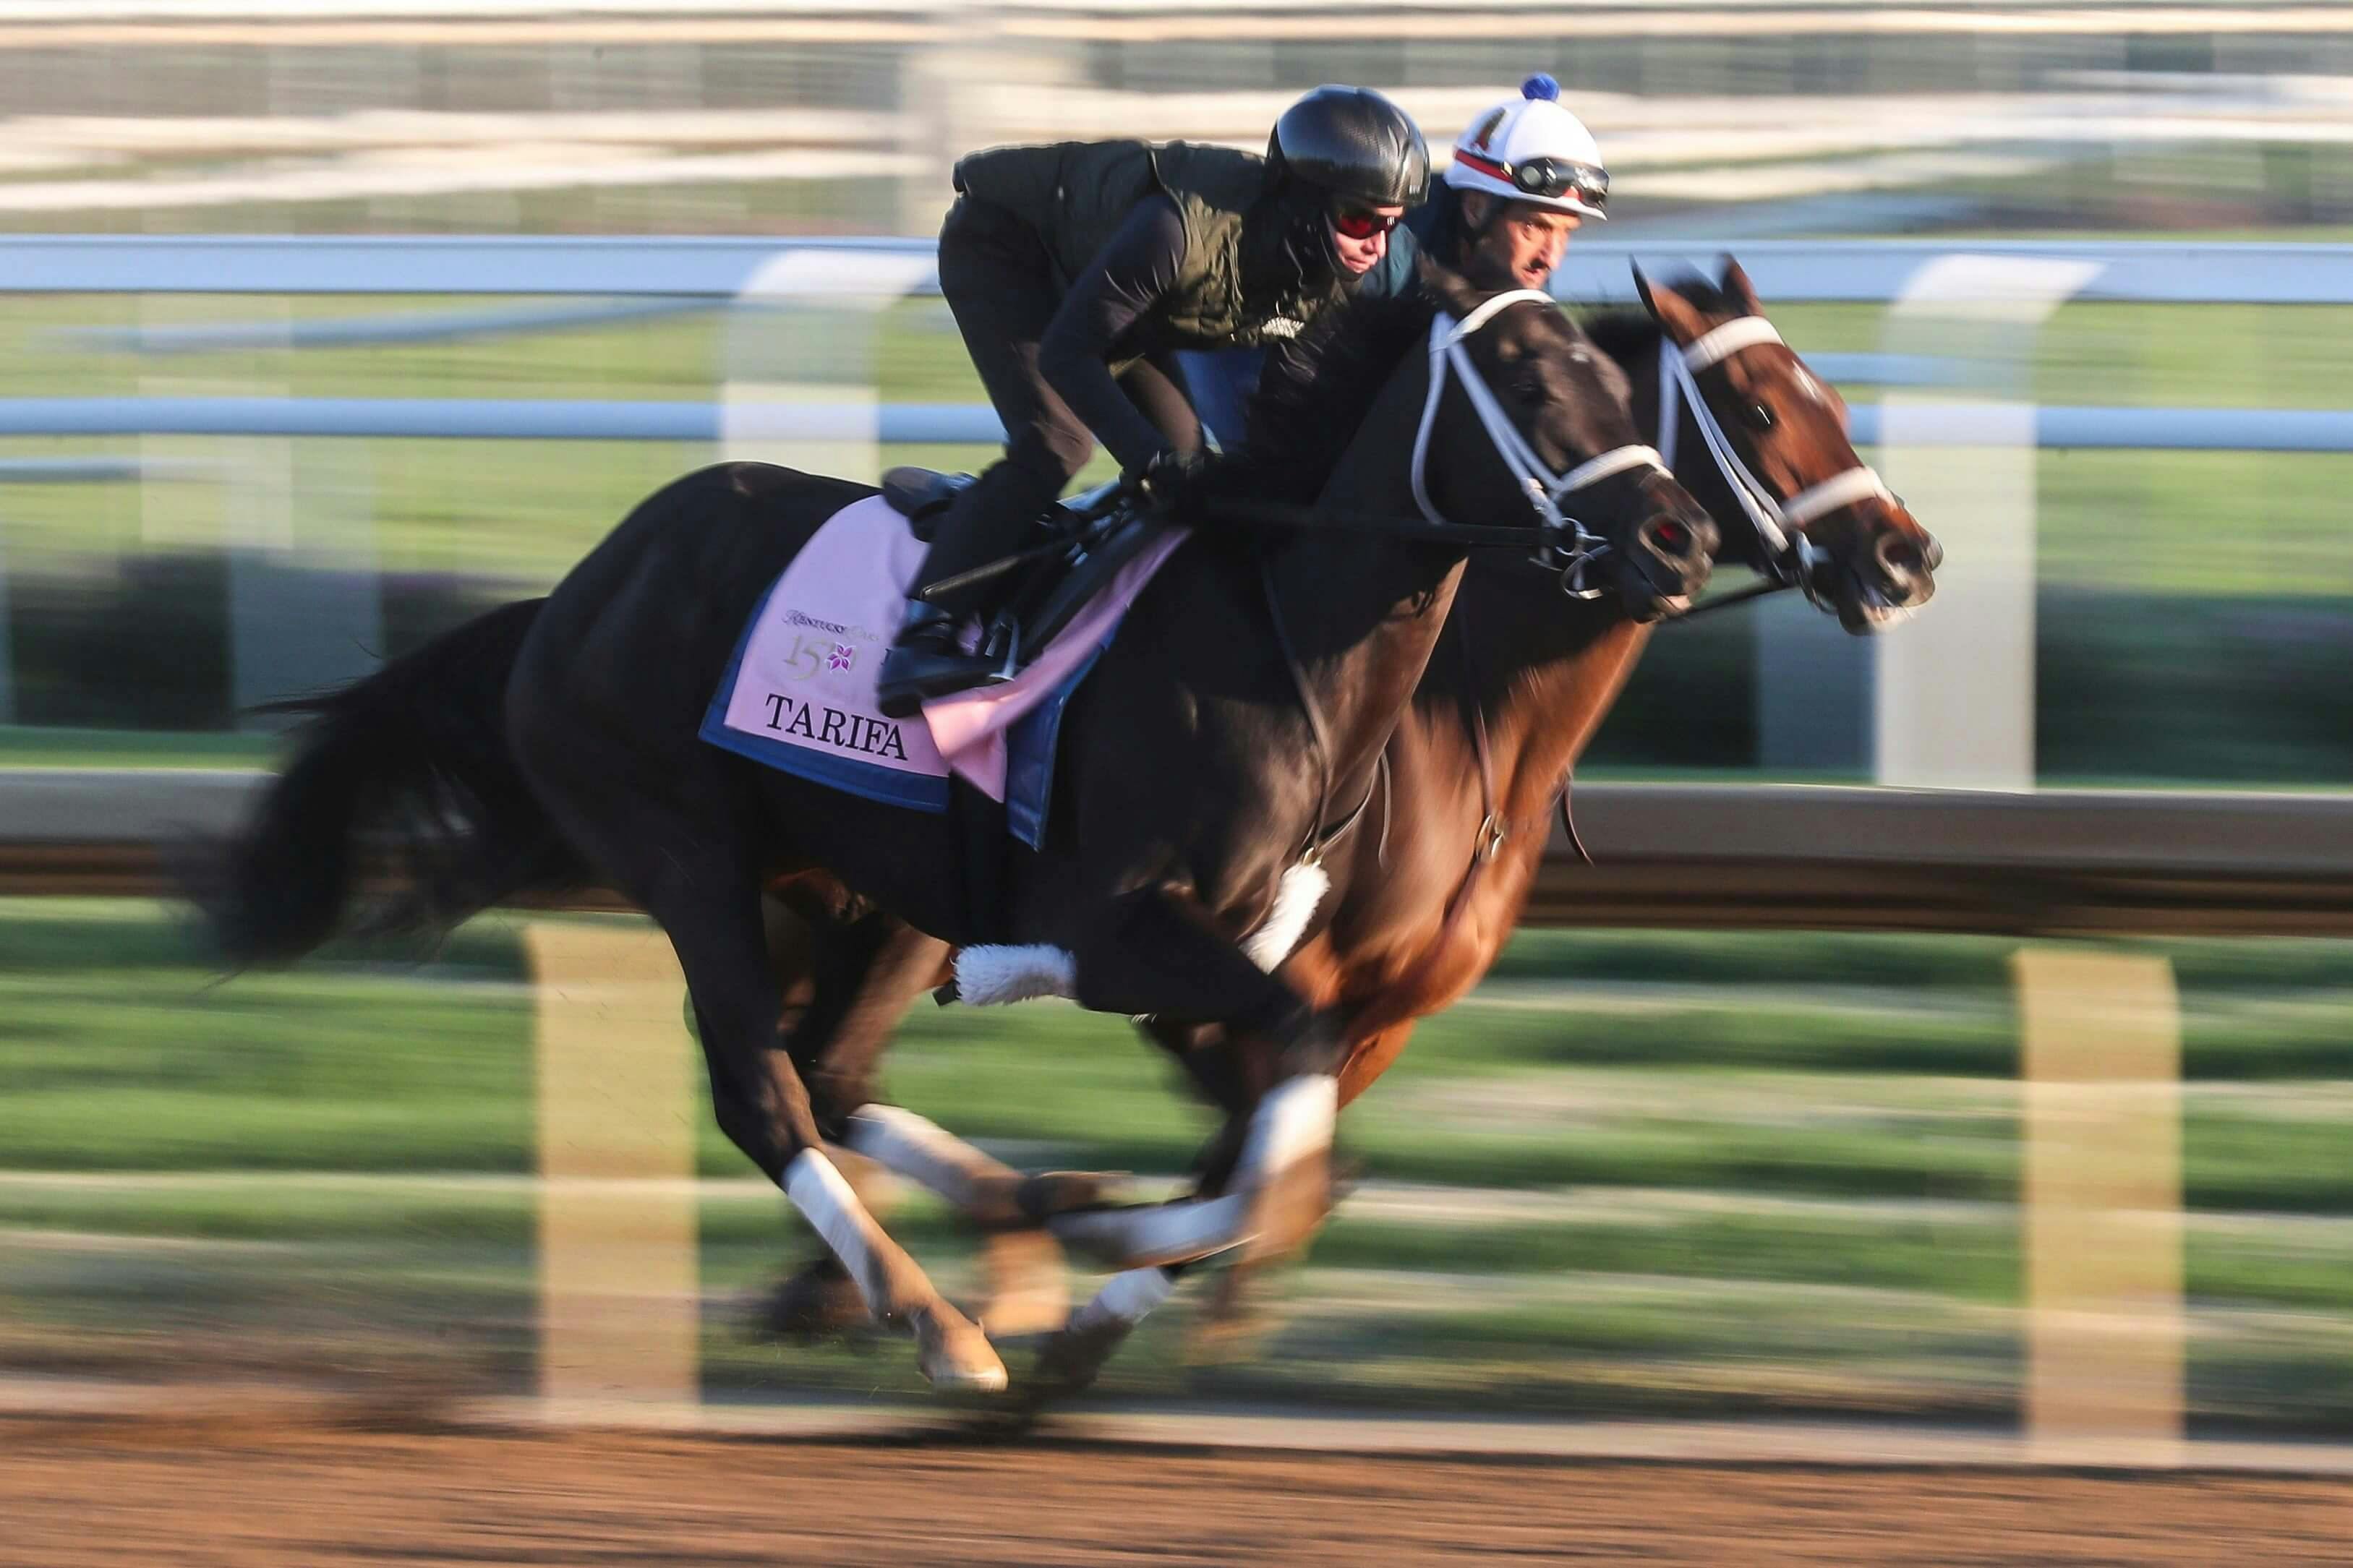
262 469
323 330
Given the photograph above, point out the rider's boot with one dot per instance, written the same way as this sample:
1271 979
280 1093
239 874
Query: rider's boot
924 662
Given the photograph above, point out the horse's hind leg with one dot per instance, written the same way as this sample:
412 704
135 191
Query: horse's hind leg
686 856
865 974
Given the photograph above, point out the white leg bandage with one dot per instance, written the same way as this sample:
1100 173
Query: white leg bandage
1295 902
1146 1237
986 976
1126 1301
1296 1118
818 1188
924 1153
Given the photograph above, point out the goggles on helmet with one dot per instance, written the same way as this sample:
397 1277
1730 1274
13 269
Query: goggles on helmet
1550 178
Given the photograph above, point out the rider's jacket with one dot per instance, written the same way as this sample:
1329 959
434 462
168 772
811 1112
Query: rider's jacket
1077 196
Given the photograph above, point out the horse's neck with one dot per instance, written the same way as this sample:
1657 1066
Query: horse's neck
1364 612
1537 670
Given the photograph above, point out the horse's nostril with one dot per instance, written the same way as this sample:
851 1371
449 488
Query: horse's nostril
1905 557
1935 552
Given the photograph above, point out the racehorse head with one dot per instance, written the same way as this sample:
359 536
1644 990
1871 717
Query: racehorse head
1556 409
1778 434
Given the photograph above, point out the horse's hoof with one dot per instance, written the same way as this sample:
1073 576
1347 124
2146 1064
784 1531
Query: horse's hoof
954 1355
817 1302
1069 1363
1029 1290
1232 1323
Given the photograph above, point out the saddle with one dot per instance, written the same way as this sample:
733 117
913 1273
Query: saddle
1087 539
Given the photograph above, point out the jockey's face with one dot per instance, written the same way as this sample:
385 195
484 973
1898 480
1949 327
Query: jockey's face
1517 248
1360 235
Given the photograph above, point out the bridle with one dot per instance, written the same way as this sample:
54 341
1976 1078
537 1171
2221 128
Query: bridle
1569 546
1790 559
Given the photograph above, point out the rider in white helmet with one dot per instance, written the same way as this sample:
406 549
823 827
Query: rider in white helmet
1526 176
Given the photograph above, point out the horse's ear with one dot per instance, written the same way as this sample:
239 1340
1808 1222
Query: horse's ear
1452 292
1642 283
1678 315
1740 289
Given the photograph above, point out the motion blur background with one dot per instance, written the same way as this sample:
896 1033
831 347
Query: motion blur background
1686 1172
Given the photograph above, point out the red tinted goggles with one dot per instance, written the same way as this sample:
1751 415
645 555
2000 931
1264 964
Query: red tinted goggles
1356 223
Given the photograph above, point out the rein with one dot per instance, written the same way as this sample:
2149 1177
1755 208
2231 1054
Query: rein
1560 540
1544 490
1791 559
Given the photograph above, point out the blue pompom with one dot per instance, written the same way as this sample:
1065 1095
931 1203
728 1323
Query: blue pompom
1541 86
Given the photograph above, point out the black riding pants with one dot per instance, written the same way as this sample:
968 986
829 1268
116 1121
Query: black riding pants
1001 285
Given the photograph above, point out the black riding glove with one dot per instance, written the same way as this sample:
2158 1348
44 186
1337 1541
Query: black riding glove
1166 480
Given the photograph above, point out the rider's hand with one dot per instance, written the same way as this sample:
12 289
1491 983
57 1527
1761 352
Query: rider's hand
1163 482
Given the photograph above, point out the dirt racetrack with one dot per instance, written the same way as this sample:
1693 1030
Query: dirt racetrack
91 1493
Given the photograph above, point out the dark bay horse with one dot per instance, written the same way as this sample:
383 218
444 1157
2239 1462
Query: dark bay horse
1415 915
1253 686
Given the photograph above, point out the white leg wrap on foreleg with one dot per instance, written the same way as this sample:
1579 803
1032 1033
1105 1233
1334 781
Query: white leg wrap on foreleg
924 1153
1296 1118
822 1193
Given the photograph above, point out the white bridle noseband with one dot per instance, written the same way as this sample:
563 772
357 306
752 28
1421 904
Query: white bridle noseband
1777 522
1545 490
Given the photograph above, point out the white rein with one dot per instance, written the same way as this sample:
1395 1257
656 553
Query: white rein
1545 489
1778 523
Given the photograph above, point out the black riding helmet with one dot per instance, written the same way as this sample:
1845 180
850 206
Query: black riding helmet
1353 142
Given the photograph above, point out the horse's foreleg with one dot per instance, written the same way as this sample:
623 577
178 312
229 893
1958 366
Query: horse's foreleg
1156 951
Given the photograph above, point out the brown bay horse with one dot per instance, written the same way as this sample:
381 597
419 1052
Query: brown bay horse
1418 911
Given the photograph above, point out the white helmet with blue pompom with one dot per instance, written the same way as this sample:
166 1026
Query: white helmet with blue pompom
1532 150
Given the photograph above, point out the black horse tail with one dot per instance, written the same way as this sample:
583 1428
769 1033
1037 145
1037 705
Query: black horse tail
406 773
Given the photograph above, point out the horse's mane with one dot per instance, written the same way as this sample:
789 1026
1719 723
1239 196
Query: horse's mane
1624 331
1300 424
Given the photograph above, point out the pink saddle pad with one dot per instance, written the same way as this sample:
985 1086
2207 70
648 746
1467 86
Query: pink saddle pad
800 693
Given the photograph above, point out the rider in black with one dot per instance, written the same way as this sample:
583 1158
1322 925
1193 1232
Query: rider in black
1075 272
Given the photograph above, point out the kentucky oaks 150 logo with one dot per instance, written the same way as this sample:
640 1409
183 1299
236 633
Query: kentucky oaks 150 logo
810 655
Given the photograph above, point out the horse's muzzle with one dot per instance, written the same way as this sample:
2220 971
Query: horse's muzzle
1668 561
1896 576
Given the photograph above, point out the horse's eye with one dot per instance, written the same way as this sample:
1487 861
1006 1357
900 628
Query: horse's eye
1756 416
